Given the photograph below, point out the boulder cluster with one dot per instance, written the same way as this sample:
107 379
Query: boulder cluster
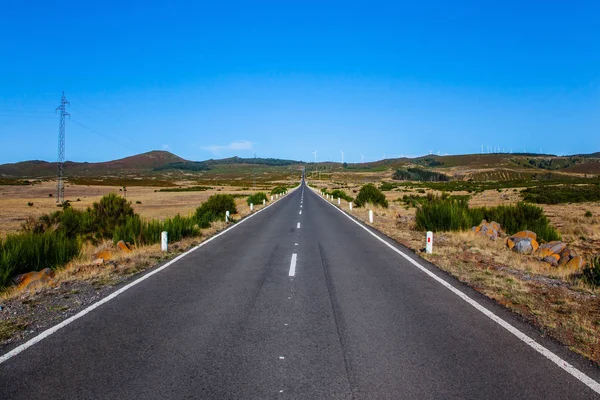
492 230
555 253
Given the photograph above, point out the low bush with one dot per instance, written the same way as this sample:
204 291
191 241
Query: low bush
214 208
387 186
561 194
279 190
339 193
28 251
448 214
140 232
257 198
591 272
111 211
588 214
370 194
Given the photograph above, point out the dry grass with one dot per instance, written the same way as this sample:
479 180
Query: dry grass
14 209
125 264
551 298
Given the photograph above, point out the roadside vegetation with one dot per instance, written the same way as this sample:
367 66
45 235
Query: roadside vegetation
187 189
443 214
257 198
370 194
339 193
52 240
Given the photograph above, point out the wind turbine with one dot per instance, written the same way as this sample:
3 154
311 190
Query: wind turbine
342 156
362 158
315 154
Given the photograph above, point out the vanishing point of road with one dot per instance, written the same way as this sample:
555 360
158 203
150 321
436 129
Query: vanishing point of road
297 302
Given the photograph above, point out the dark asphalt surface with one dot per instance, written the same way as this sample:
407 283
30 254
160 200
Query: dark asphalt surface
227 322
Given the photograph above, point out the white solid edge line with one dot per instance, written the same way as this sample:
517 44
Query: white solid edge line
293 265
589 382
111 296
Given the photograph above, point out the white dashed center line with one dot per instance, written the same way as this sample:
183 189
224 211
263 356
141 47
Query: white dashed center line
298 226
293 265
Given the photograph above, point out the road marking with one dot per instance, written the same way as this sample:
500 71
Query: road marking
293 265
111 296
298 226
295 244
300 213
566 366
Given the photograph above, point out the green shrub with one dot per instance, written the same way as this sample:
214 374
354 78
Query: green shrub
256 198
30 204
214 209
27 251
449 214
588 214
341 194
135 230
561 194
110 212
370 194
279 190
591 272
387 186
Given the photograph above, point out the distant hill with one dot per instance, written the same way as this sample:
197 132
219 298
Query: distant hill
153 161
139 163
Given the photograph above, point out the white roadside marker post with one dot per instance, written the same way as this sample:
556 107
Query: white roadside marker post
429 244
264 202
251 207
271 197
371 216
226 216
339 201
350 205
164 241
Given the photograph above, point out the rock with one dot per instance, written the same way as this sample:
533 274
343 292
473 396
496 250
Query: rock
121 245
544 252
98 261
523 246
490 229
525 235
34 278
555 247
552 259
575 263
565 256
103 254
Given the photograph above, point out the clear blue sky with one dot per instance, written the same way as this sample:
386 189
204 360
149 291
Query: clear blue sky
285 78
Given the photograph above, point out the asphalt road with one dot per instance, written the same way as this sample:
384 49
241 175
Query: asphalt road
228 321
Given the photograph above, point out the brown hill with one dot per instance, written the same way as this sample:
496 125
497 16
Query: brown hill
145 162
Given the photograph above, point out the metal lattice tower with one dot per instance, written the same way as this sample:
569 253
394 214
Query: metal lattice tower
60 186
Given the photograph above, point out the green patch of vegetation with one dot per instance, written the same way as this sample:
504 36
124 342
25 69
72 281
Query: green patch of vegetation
30 204
429 162
23 252
140 232
387 186
415 201
15 182
370 194
187 189
184 166
339 193
588 214
591 272
279 190
257 198
445 214
215 208
419 174
561 194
